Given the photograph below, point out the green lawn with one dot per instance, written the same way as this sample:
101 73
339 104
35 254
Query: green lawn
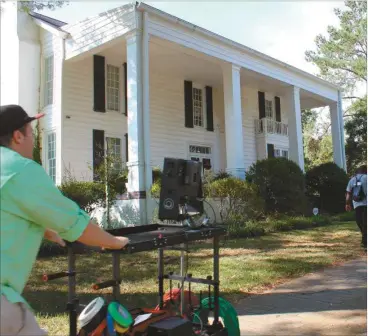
246 266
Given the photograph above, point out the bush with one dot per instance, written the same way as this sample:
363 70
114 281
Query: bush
85 194
280 183
344 217
239 200
156 175
326 185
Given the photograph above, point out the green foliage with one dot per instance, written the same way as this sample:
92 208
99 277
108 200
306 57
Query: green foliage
156 175
347 216
239 200
326 186
356 136
317 150
342 56
156 189
37 144
28 6
252 229
280 184
85 194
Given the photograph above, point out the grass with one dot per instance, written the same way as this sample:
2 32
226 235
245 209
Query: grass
246 266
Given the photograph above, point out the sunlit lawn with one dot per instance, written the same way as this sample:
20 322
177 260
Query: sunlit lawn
246 265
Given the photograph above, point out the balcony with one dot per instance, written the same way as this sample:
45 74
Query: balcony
270 126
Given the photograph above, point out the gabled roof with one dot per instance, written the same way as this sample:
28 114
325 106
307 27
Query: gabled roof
51 21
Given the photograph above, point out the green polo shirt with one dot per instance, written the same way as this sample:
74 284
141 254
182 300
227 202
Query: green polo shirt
30 203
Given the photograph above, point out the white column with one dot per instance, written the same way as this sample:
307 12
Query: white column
138 104
296 150
337 129
233 121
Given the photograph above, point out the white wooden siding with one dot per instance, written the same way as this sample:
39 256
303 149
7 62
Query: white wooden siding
80 119
169 136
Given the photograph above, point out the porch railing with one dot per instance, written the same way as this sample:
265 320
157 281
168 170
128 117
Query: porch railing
269 126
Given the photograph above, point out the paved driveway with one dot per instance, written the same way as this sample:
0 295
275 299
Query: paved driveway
331 302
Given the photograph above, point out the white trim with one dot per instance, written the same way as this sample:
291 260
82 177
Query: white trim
50 28
144 7
204 106
121 87
46 151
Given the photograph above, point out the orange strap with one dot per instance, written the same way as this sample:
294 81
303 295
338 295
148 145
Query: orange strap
101 327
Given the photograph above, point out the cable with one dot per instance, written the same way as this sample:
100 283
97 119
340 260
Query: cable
200 321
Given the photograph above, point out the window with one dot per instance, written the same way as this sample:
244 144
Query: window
281 153
49 80
113 88
198 107
269 110
51 155
114 150
201 154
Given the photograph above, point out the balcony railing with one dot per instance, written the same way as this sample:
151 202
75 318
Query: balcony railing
269 126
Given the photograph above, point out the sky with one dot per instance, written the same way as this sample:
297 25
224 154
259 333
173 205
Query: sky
283 30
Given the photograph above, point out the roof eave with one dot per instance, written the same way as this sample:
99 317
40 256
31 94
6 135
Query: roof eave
144 7
50 28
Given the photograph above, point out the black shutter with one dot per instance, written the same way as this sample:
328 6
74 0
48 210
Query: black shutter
278 108
99 83
261 104
188 104
209 107
270 150
126 147
98 150
126 88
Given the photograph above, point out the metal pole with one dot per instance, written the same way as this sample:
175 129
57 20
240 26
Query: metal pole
71 293
161 277
116 274
182 274
216 272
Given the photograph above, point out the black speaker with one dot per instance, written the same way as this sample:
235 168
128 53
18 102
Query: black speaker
172 326
181 183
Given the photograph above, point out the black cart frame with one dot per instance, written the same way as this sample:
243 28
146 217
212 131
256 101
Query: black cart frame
147 238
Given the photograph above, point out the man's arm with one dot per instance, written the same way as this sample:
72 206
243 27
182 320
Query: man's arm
33 194
348 198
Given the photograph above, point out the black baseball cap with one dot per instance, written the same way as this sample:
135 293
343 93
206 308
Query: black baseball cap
13 117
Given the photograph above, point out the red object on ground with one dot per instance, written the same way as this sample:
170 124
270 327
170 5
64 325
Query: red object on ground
173 299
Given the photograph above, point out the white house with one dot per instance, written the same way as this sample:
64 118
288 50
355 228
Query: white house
154 85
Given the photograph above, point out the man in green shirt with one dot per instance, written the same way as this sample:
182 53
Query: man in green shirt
31 208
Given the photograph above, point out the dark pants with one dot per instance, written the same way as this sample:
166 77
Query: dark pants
361 219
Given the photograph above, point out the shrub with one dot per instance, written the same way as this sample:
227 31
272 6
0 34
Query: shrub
85 194
326 185
238 199
344 217
156 175
280 183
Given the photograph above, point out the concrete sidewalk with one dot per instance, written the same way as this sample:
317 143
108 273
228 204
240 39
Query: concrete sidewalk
331 302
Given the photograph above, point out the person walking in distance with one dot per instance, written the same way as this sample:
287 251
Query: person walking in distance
32 208
356 192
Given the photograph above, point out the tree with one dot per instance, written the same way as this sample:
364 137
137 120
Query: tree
356 136
29 6
342 59
342 56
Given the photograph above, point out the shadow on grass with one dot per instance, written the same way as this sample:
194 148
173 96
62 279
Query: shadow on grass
53 303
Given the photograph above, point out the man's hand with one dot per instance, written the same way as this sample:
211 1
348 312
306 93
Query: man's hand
347 207
54 237
119 243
